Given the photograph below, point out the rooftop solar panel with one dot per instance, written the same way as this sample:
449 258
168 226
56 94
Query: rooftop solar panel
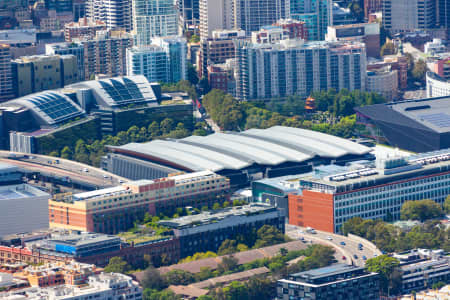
438 119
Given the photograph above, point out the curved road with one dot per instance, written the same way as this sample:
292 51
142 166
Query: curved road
65 168
350 250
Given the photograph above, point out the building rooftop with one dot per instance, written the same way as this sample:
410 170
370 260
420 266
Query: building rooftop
219 151
18 191
335 269
49 107
214 216
333 178
432 114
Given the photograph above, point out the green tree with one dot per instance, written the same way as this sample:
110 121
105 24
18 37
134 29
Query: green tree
117 265
194 39
385 266
438 285
167 294
227 247
420 70
66 153
152 279
447 205
420 210
192 74
54 153
228 263
268 236
216 206
153 129
166 125
178 277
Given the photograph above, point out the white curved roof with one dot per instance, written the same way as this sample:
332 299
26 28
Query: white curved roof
273 146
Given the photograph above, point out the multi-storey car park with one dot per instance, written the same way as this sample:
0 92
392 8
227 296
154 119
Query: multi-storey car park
331 195
115 209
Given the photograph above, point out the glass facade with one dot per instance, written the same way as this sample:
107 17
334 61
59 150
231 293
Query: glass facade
315 13
153 18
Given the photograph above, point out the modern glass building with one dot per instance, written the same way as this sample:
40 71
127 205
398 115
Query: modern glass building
176 51
152 18
317 14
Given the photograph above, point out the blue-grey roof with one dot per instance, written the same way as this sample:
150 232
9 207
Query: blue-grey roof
273 146
50 107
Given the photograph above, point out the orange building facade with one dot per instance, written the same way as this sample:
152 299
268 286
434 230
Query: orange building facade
312 209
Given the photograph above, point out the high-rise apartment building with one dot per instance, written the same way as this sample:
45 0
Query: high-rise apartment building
116 209
106 54
293 67
215 15
33 74
84 28
114 13
252 15
164 61
317 14
150 61
189 11
408 15
6 82
152 18
176 52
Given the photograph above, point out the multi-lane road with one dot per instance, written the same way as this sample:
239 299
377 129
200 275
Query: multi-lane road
62 168
347 248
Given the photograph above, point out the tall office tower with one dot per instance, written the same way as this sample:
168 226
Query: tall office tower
292 67
372 6
79 9
317 14
252 15
152 18
215 14
443 15
189 11
6 86
115 13
407 15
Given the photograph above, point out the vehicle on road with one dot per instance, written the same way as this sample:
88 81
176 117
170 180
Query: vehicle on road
85 170
301 232
329 238
344 258
105 176
355 256
342 243
364 257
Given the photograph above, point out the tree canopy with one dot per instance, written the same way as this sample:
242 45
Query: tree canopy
386 266
421 210
117 265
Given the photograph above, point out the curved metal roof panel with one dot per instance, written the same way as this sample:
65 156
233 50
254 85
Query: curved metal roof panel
257 150
306 144
349 146
222 159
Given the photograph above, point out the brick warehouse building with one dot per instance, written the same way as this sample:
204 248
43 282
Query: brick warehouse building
115 209
331 195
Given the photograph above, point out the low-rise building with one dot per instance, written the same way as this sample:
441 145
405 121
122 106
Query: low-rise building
206 231
116 209
367 33
84 28
33 74
383 81
395 62
338 281
104 286
435 47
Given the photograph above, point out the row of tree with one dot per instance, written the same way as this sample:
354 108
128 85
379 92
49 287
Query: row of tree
258 287
92 153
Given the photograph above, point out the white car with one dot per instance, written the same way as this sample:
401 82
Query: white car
301 232
329 238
